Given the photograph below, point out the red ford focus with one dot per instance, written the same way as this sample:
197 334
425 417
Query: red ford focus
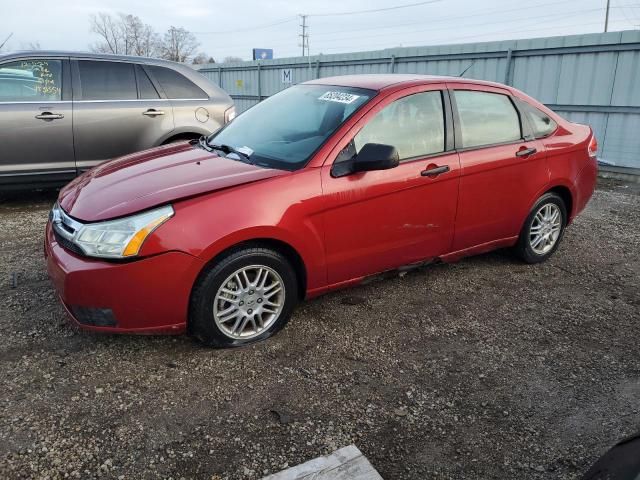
316 188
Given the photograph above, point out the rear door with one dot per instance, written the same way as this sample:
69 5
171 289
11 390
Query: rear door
35 120
503 166
117 111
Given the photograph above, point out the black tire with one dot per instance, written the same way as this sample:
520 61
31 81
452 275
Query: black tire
523 248
201 318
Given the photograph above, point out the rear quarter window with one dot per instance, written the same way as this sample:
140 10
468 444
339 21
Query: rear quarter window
541 123
176 85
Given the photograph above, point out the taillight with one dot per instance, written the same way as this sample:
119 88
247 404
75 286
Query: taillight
229 114
593 147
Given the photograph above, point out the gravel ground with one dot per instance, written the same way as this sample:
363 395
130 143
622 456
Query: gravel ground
487 368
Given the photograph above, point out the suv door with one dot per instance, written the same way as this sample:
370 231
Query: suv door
503 166
191 106
380 220
36 137
117 111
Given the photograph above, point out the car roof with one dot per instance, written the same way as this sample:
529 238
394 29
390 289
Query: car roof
75 54
380 81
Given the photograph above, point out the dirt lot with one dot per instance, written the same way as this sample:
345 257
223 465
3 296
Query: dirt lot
487 368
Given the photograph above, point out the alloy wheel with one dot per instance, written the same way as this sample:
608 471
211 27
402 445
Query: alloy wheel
248 302
545 228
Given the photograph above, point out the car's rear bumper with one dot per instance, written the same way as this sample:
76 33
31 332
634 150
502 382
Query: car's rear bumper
149 295
585 186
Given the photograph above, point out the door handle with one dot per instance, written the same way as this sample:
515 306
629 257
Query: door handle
49 116
525 152
434 171
152 113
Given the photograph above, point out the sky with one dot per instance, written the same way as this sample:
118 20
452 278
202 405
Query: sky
232 28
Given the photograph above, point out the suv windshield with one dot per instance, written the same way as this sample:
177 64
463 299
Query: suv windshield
286 129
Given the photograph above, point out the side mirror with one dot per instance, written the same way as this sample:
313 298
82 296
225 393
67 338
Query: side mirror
372 156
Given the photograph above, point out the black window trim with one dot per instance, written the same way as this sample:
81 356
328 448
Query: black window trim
65 79
135 72
154 81
525 129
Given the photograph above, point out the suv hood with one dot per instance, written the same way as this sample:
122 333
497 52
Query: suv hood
151 178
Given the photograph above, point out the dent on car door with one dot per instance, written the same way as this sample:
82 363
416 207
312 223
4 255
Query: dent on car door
380 220
35 120
117 111
503 167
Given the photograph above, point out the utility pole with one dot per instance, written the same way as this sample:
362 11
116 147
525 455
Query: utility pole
304 35
606 17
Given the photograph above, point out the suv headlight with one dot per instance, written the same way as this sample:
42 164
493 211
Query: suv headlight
120 238
229 114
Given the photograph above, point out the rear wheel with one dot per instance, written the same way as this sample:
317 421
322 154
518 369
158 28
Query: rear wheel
543 229
245 297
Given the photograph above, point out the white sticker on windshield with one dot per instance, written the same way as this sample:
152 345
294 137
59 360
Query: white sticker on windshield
340 97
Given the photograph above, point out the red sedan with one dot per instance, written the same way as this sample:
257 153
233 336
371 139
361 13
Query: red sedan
316 188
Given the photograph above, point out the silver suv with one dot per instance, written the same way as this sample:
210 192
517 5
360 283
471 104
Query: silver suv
62 113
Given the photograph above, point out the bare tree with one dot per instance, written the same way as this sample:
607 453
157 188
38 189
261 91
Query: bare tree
179 44
109 30
124 34
232 59
140 38
202 58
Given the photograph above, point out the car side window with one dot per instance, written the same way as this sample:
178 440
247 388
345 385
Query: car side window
146 90
107 80
413 124
175 85
31 81
486 118
541 123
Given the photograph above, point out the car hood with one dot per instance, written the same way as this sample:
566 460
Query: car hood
154 177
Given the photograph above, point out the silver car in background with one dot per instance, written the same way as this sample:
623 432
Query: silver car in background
62 113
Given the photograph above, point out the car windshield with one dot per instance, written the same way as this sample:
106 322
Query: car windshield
286 129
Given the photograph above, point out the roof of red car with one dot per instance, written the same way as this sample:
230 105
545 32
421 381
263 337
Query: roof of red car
380 81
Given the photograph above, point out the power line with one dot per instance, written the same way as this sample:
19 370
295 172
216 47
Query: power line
246 29
436 20
445 27
386 9
439 26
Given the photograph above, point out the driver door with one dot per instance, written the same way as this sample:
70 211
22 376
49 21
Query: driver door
381 220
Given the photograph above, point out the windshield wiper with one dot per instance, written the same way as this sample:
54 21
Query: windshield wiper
226 149
202 141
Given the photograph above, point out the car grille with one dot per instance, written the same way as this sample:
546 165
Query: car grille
64 229
67 244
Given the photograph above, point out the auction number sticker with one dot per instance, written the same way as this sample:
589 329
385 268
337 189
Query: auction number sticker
340 97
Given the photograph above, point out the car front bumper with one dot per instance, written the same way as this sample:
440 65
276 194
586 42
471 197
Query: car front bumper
149 295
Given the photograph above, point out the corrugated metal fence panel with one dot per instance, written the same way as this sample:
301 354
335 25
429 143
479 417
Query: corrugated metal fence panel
626 90
592 79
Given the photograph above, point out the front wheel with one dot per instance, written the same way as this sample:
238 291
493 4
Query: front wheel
543 229
245 297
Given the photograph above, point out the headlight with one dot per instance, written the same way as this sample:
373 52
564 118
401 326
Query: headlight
229 114
120 238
